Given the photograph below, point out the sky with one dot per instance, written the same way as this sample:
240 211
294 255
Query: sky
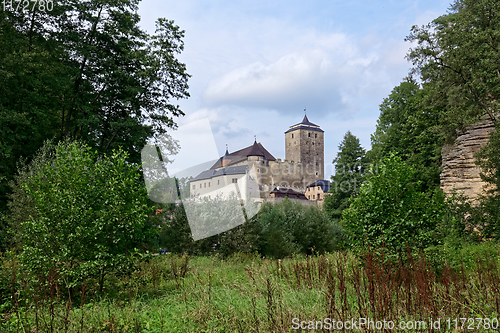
256 65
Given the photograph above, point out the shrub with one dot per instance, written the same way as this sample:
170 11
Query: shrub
390 212
89 212
278 230
290 228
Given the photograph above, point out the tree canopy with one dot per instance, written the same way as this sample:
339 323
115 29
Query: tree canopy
457 54
410 128
350 164
86 70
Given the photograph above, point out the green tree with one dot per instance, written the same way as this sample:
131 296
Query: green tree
90 213
457 54
457 57
390 211
86 71
409 128
350 164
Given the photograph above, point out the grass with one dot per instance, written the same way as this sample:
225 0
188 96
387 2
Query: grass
246 293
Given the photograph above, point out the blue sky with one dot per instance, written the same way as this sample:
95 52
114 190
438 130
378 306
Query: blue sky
256 65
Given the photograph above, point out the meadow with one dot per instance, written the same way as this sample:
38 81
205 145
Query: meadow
247 293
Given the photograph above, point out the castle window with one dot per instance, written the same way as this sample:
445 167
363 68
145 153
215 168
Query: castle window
204 184
208 184
308 197
218 181
318 187
313 196
315 135
235 180
292 135
309 135
200 185
313 143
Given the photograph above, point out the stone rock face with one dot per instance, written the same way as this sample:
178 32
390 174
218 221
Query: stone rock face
459 169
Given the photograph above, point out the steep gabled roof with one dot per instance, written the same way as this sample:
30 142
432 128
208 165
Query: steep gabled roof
246 151
254 150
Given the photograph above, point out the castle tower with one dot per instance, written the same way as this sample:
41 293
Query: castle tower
304 143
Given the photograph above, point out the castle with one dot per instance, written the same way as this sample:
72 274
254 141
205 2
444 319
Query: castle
254 171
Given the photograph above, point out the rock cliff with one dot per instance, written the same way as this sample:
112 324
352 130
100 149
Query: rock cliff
459 169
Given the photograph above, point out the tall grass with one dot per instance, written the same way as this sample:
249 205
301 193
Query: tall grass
246 293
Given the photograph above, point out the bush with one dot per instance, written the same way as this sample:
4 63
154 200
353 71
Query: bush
289 228
278 230
175 233
88 213
390 212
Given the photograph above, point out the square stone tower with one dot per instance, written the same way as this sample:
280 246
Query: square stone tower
304 143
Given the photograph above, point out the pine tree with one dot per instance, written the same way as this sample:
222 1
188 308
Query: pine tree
350 164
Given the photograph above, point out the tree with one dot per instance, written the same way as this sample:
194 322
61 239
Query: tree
390 211
90 213
350 164
458 54
86 70
457 57
409 128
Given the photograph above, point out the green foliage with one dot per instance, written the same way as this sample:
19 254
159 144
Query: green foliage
89 213
290 228
87 71
350 166
175 232
391 212
470 256
457 55
489 160
409 128
21 206
246 293
278 230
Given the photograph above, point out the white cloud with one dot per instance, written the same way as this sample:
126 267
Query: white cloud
332 74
